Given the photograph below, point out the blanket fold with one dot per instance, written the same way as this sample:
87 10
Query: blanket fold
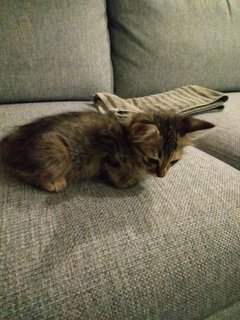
189 100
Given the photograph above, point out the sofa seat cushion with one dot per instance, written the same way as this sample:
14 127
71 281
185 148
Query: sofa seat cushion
162 45
223 141
17 114
164 249
53 50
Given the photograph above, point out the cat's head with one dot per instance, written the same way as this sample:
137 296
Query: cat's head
158 139
151 143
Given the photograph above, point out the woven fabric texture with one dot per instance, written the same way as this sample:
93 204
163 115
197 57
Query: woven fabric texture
223 141
162 45
188 100
165 249
53 50
231 313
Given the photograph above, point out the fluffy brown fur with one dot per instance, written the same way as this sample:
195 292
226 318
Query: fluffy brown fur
54 150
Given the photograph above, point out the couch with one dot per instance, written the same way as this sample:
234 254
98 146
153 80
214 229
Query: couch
164 249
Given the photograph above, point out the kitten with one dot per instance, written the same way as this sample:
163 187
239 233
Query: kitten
51 151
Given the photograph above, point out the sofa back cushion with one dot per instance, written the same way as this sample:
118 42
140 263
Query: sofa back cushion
160 45
53 50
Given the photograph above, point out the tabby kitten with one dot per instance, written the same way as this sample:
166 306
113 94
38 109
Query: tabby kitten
51 151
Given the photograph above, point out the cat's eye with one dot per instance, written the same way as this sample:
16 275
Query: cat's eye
153 161
172 163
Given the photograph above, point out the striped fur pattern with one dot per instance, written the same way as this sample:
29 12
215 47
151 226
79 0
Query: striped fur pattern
52 151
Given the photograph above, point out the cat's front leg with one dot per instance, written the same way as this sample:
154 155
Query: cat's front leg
119 177
54 185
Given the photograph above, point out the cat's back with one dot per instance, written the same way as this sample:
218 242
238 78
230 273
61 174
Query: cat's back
75 120
60 123
71 127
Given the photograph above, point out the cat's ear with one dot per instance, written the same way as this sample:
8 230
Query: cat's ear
141 132
187 125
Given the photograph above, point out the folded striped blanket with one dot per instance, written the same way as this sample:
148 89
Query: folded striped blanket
190 100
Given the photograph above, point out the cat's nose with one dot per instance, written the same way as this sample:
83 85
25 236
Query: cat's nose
162 172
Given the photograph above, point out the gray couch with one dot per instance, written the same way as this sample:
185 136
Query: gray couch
165 249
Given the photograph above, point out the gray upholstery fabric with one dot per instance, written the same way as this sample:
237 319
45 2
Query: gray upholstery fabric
223 141
53 50
231 313
20 113
162 45
165 249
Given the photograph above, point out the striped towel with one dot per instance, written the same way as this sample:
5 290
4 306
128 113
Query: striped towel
189 100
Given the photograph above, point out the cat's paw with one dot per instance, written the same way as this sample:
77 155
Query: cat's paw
54 186
126 184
